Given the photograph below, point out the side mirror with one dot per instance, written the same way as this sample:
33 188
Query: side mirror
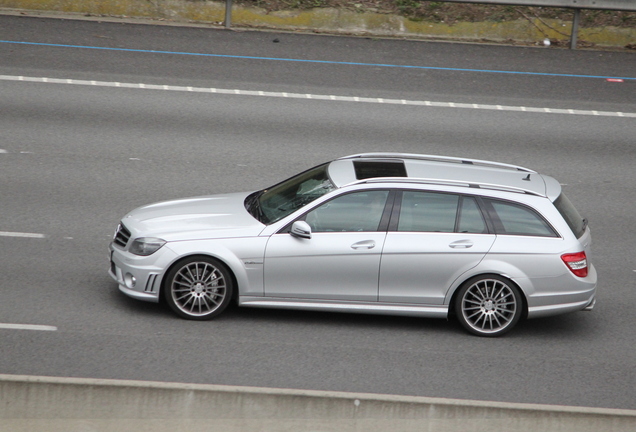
301 229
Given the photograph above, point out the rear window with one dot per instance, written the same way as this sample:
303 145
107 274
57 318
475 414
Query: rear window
571 215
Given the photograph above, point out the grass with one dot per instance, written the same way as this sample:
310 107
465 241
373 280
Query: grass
451 13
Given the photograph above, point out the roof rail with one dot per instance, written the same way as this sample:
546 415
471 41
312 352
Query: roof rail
444 182
435 158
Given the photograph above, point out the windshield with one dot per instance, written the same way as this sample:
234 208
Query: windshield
278 201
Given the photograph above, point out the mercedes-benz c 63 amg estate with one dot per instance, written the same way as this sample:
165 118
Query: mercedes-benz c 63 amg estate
381 233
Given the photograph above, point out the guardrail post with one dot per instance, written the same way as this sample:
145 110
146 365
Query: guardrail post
228 14
575 28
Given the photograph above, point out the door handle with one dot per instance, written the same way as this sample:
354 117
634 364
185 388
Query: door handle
461 244
365 244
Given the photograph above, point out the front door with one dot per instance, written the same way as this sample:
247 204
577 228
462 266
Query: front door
340 261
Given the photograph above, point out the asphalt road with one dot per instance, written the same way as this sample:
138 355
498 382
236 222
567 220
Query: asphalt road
76 155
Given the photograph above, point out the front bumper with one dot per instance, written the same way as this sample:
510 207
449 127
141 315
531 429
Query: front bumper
139 277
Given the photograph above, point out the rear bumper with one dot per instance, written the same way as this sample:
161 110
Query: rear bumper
561 308
563 294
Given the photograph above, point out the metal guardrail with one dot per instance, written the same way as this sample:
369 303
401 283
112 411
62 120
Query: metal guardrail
576 5
624 5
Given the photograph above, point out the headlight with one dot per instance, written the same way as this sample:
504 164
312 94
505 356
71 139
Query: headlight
145 246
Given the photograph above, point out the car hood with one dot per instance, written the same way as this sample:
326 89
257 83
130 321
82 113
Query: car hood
213 216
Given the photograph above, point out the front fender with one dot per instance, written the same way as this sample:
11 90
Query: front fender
243 256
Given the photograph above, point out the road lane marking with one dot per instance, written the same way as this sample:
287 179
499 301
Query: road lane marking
282 59
27 327
21 234
306 96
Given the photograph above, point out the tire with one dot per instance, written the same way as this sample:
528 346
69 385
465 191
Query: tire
198 288
488 305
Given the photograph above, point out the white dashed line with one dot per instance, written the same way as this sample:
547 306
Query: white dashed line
21 234
544 110
27 327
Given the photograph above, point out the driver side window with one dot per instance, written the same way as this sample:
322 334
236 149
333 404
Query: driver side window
358 211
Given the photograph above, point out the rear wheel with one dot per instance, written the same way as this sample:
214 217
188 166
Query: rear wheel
488 305
198 288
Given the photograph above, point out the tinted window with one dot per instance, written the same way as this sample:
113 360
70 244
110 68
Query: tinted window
571 215
428 211
439 212
470 218
516 219
365 170
285 198
359 211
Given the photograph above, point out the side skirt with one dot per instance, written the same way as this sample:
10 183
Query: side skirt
415 310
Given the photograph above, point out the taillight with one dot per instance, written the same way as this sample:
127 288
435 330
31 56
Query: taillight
576 262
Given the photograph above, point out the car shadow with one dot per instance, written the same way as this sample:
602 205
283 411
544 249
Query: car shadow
132 306
572 325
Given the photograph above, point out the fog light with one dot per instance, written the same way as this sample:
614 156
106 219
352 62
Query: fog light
130 280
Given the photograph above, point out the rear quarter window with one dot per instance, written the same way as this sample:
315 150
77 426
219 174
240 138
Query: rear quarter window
516 219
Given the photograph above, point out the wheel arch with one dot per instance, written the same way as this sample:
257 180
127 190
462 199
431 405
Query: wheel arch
464 280
181 258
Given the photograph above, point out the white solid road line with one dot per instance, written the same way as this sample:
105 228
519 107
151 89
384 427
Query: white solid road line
21 234
27 327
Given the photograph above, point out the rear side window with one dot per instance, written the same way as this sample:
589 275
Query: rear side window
516 219
439 212
470 218
571 215
430 212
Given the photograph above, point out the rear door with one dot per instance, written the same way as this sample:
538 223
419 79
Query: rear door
433 239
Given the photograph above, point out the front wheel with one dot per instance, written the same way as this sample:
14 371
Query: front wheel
198 288
488 305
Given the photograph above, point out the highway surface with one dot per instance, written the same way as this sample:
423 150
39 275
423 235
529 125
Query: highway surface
97 118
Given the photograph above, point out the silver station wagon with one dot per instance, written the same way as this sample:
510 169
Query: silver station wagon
382 233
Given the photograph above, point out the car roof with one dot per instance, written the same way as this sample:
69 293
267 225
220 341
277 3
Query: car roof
431 169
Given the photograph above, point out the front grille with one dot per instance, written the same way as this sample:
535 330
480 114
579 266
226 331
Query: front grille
122 235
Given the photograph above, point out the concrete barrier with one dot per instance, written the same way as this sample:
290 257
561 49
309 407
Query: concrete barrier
74 404
326 20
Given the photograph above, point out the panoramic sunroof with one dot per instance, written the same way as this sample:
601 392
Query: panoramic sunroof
372 169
